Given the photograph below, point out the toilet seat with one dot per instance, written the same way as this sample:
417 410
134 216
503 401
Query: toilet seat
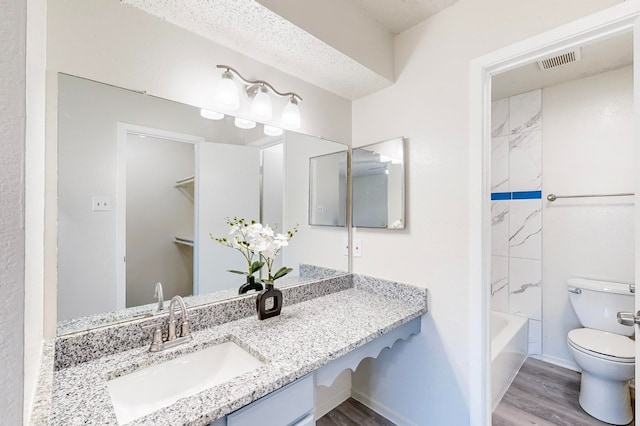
601 344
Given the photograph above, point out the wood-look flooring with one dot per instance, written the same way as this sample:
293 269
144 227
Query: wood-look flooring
543 394
352 413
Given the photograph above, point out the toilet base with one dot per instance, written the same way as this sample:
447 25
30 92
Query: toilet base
606 400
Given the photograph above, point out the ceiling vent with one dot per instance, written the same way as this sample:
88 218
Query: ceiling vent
559 60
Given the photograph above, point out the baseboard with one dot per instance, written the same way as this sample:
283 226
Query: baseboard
558 361
381 409
332 403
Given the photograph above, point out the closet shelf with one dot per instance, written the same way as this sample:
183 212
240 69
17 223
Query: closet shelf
185 241
186 186
185 181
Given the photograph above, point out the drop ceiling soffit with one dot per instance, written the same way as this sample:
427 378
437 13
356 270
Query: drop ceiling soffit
257 32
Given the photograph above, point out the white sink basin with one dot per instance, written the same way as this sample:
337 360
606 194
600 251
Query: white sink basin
149 389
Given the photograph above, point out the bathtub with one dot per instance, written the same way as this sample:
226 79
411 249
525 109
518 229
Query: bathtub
509 347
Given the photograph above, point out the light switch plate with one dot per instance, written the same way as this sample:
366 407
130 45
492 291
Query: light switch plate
345 247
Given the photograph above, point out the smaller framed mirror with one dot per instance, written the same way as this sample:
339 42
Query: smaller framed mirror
328 189
377 184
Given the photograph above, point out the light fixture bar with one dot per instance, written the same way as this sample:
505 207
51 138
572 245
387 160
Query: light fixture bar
247 82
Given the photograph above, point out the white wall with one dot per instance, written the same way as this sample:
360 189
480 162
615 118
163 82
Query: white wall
587 148
12 189
357 35
221 197
156 212
87 167
395 193
429 105
327 189
323 245
370 200
272 209
34 196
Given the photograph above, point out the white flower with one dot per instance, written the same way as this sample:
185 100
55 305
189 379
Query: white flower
256 239
267 231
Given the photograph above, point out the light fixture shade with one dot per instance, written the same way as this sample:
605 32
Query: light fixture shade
291 114
244 124
272 131
227 97
261 108
211 115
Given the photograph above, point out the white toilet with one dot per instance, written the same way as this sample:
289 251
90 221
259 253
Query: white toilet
603 349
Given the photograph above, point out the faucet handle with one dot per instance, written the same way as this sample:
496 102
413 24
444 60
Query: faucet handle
157 344
185 328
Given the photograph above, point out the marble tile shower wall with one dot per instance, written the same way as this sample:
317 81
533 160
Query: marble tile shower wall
516 210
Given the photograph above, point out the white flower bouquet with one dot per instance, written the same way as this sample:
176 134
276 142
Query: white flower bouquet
260 245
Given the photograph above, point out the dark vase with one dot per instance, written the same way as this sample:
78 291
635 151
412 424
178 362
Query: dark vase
251 284
269 293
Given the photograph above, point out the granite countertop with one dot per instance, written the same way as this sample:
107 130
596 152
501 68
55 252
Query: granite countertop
304 337
306 273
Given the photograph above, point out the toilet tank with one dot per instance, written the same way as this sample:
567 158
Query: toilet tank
597 303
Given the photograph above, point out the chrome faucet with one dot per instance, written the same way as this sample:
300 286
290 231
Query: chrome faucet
159 295
173 339
172 319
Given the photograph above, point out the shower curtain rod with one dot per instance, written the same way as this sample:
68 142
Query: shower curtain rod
553 197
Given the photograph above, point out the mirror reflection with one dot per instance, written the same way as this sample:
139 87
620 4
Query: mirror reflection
328 189
377 181
144 187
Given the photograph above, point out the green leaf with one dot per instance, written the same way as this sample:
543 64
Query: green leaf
233 271
282 272
255 266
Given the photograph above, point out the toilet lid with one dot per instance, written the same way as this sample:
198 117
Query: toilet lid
604 343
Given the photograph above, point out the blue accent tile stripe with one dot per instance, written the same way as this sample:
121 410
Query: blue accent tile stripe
526 195
518 195
500 196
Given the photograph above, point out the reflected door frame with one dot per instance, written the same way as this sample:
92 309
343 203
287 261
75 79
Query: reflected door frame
616 20
125 129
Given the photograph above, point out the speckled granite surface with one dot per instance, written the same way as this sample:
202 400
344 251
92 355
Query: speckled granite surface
305 274
390 289
304 337
74 349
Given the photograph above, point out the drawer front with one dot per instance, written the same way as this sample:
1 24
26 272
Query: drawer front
280 408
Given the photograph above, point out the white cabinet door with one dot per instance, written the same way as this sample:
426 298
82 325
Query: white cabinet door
307 421
280 408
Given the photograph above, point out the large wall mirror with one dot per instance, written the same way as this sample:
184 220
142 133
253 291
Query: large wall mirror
328 189
377 177
143 185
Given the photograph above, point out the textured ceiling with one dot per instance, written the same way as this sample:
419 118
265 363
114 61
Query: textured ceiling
255 31
400 15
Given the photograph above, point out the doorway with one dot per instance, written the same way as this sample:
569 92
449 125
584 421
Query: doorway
156 218
611 22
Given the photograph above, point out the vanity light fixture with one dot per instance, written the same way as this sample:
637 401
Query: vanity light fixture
211 115
258 91
291 114
272 131
261 107
227 97
244 124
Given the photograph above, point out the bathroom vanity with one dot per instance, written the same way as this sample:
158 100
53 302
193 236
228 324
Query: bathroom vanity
325 327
